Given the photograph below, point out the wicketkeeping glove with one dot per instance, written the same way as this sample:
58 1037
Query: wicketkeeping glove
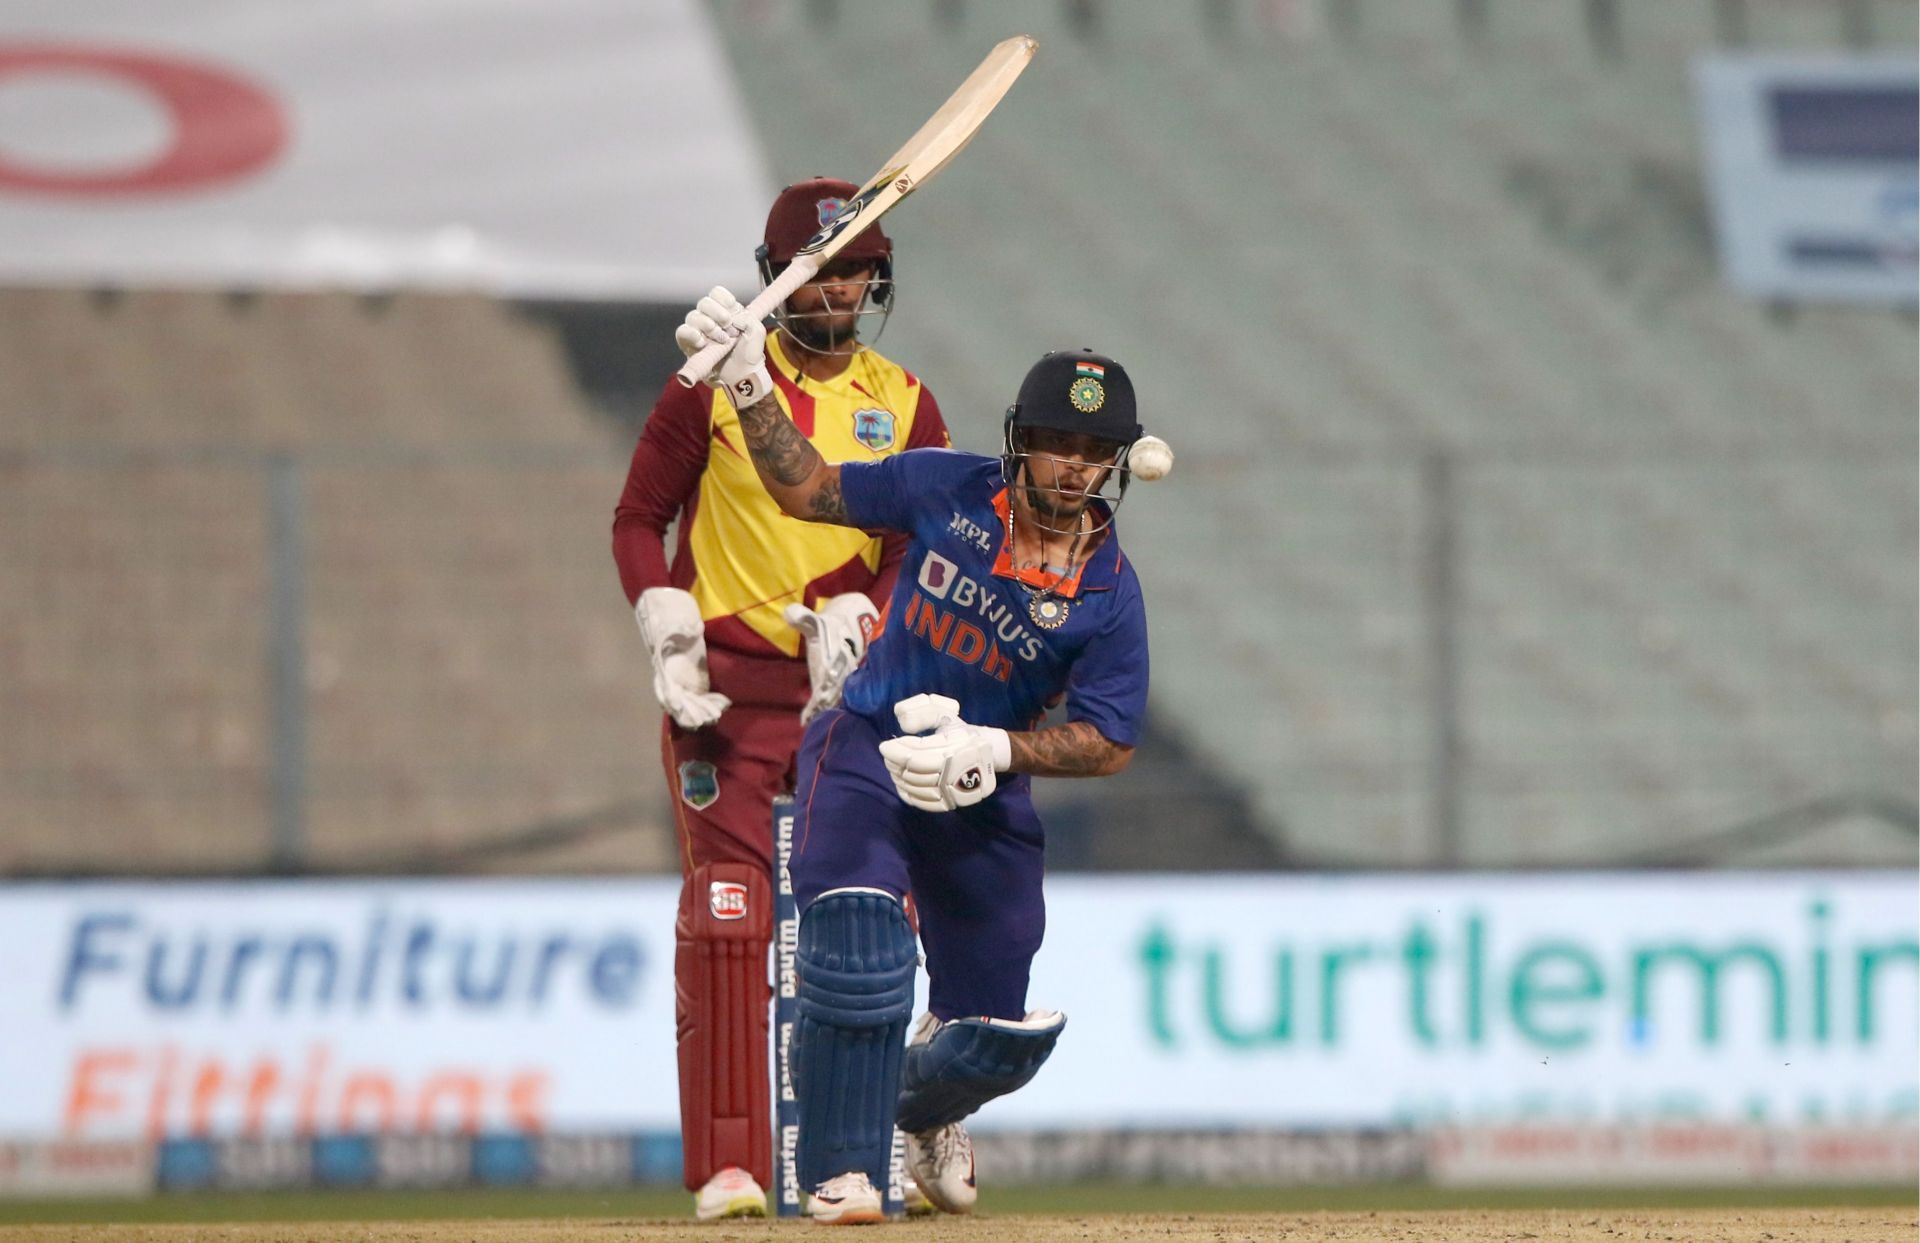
676 640
719 319
953 767
836 640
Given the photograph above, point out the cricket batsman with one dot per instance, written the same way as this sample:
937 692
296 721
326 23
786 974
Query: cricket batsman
751 631
1014 596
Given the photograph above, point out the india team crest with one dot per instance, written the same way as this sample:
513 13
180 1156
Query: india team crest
699 784
873 428
1049 612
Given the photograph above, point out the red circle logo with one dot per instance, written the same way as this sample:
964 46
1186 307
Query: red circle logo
224 127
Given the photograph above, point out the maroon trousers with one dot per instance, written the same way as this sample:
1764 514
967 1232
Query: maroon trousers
724 779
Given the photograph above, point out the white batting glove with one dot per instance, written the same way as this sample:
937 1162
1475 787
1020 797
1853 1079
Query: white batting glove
836 640
719 319
676 641
956 766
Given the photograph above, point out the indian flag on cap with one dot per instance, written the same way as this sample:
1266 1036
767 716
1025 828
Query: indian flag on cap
1093 369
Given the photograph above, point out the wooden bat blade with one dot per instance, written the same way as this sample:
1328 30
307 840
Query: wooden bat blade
953 125
932 147
945 134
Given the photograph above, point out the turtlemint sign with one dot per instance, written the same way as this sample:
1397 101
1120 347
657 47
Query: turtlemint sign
1556 993
1379 1001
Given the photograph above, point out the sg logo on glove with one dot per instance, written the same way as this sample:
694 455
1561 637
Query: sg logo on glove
951 768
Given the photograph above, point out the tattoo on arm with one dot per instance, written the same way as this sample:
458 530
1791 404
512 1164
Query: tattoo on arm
779 450
787 462
1075 749
826 504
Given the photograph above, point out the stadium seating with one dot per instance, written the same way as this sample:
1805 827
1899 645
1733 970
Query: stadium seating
1394 286
1477 459
451 502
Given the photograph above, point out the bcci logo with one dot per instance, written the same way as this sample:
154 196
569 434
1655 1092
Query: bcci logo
873 428
1087 393
727 899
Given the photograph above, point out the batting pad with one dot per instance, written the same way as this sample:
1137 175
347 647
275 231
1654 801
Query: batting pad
857 958
965 1063
721 995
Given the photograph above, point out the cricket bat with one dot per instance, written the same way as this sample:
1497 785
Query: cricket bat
945 135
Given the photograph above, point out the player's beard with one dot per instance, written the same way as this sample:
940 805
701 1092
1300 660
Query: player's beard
818 334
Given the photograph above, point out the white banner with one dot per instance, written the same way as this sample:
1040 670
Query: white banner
590 148
1415 1000
1813 164
1775 1000
151 1010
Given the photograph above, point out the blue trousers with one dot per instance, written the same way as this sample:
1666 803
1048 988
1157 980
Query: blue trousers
974 873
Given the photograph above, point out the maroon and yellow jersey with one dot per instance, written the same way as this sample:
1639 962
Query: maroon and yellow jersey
741 557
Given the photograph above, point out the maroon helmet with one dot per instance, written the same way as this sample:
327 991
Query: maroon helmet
805 208
802 210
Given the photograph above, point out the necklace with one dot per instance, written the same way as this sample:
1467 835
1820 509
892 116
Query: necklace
1044 605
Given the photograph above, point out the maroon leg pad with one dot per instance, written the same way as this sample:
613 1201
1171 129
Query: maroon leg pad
721 998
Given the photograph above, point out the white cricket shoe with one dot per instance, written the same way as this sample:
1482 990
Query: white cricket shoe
846 1200
730 1193
941 1161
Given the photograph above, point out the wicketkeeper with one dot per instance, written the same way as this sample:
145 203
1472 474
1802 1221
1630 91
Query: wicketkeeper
751 631
1015 596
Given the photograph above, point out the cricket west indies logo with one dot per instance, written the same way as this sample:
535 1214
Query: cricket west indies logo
873 428
842 215
699 784
727 899
827 209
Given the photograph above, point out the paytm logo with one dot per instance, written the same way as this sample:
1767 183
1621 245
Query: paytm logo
937 575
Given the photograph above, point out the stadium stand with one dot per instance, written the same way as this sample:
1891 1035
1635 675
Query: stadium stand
1501 533
1478 461
470 698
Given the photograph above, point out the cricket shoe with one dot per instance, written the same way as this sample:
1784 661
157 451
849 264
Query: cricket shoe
730 1193
846 1200
941 1162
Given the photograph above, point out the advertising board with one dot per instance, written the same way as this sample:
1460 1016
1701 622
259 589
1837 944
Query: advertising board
1200 1003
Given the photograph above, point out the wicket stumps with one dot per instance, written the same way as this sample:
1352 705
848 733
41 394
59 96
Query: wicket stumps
787 1191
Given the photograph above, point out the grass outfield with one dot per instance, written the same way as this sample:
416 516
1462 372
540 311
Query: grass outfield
654 1203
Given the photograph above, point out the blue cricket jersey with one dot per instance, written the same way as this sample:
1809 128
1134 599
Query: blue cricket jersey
962 624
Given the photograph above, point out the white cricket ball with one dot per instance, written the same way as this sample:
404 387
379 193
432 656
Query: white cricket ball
1150 459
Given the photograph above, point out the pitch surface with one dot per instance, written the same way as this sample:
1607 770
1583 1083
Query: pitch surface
1768 1225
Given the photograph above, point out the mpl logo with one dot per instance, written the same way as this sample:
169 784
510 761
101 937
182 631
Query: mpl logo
937 575
970 531
727 899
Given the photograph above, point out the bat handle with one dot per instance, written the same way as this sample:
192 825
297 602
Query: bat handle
799 272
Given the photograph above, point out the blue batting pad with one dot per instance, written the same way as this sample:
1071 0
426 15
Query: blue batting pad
857 958
967 1063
